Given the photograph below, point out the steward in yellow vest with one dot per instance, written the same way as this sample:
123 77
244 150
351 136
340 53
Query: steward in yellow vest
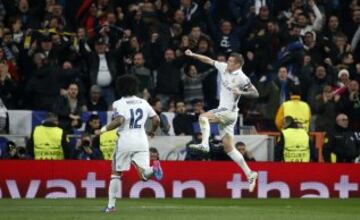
48 141
107 143
295 108
294 143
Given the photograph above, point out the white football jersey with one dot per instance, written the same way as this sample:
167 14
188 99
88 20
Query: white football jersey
132 134
228 81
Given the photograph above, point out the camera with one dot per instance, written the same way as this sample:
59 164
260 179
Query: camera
16 152
86 143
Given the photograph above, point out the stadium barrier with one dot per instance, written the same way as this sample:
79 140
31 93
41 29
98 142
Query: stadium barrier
72 179
174 147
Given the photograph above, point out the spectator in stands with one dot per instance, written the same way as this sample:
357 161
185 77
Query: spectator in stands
93 124
14 75
168 78
192 82
269 101
192 11
285 84
96 102
340 144
306 23
333 28
342 47
352 26
102 68
29 16
4 118
194 37
356 74
4 147
110 34
52 54
41 90
297 109
7 87
182 122
154 154
343 82
197 108
294 143
67 74
326 108
164 127
228 38
349 103
204 47
321 78
171 106
241 147
85 150
48 141
141 72
312 48
69 109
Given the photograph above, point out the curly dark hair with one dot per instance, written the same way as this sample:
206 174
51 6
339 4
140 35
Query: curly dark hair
127 85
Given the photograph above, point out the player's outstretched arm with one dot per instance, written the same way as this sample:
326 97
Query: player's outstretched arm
115 123
199 57
251 92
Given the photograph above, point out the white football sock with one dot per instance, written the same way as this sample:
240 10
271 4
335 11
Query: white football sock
238 158
205 130
148 173
113 189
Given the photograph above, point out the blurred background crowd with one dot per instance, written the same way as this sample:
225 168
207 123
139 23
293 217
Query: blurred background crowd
65 56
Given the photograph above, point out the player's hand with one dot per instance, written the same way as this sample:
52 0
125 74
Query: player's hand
188 52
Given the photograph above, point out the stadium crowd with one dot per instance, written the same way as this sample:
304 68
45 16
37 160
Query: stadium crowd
65 56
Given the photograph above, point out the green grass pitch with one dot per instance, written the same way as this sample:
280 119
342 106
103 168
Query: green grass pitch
186 209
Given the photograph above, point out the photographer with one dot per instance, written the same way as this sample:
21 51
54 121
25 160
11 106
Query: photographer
85 150
13 152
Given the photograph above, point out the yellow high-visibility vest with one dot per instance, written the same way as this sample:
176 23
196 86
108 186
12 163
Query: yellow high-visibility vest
108 143
296 145
47 143
299 110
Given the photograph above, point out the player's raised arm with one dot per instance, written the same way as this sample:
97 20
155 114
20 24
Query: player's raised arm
250 92
200 57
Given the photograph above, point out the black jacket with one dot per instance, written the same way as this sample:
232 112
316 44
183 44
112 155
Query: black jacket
183 124
94 62
7 91
168 80
342 143
62 109
42 89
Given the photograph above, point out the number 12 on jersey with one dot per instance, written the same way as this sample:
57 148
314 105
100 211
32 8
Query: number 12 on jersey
135 117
